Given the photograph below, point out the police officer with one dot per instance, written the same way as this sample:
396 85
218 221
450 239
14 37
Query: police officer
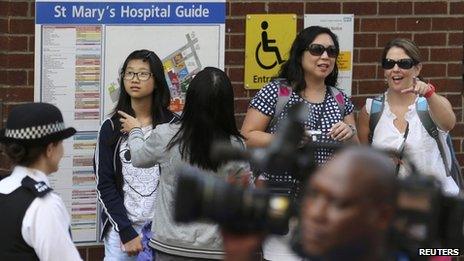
34 221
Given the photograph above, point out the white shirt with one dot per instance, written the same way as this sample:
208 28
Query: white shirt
45 225
276 248
140 185
421 148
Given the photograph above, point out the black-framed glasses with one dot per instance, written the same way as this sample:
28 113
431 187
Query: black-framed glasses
402 63
319 49
142 76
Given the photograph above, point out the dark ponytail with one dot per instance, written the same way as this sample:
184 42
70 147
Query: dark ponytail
22 155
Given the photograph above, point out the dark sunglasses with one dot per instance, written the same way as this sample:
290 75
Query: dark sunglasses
403 63
318 50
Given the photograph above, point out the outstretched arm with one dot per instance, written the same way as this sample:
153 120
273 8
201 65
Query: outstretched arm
439 107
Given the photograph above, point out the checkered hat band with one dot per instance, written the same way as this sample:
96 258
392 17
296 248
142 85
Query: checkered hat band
34 132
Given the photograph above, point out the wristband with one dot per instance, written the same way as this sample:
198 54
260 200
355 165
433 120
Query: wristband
430 92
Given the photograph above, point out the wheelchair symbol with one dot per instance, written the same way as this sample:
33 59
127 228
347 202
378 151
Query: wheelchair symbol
264 45
267 67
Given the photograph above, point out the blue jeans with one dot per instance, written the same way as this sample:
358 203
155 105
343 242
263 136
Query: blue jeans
113 244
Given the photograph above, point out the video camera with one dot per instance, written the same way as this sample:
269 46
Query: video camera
247 210
425 218
242 210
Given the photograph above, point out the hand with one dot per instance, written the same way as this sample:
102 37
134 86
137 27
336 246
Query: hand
133 247
418 87
305 139
128 122
341 131
240 177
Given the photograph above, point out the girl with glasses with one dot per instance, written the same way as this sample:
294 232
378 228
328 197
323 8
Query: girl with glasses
208 117
399 126
311 76
127 193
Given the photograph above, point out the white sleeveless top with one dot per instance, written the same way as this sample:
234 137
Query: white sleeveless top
421 148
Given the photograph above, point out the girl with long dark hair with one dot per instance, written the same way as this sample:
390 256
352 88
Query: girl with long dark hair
128 193
208 117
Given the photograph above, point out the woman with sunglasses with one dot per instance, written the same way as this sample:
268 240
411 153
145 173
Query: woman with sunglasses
128 193
399 126
311 72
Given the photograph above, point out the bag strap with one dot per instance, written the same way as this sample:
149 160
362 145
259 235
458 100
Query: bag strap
283 96
285 91
339 98
377 106
422 109
401 149
455 169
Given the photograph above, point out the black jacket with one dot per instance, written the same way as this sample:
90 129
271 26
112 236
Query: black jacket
108 171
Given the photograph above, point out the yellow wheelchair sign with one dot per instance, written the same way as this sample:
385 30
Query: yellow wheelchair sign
268 40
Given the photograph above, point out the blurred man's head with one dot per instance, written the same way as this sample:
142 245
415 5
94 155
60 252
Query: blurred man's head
349 203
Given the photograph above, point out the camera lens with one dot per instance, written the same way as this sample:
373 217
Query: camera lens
202 196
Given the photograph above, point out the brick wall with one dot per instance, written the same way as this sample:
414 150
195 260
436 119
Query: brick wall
437 27
16 55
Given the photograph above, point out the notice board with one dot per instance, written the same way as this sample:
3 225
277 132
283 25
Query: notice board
79 50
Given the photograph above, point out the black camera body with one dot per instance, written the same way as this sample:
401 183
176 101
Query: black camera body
426 217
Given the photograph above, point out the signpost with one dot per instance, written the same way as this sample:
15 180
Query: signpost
267 45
